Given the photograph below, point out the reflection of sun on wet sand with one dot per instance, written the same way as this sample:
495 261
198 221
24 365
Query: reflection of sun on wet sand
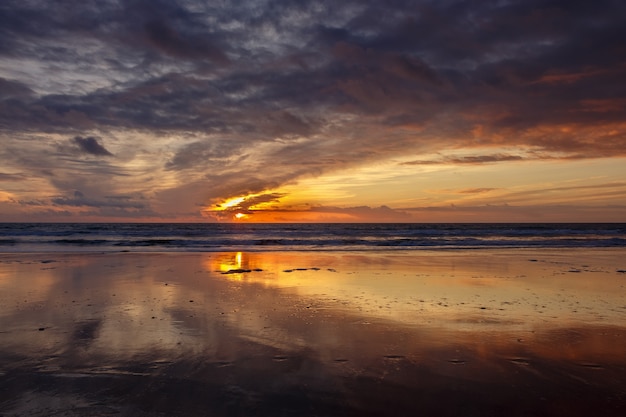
317 333
459 288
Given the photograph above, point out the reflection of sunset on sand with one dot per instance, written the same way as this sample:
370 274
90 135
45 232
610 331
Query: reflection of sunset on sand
320 318
460 288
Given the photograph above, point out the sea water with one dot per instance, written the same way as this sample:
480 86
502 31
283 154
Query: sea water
212 237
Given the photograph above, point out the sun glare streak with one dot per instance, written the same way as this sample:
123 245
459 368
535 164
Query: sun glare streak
244 207
230 203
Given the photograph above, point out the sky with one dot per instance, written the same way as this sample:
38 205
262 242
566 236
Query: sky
313 111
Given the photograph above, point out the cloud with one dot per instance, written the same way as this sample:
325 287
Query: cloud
612 191
79 200
255 207
90 145
472 159
4 176
243 205
168 40
368 214
14 89
227 99
518 213
476 190
206 153
254 200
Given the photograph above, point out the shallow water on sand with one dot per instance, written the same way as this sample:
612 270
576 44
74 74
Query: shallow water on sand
490 332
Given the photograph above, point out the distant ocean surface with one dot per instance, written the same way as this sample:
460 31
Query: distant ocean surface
199 237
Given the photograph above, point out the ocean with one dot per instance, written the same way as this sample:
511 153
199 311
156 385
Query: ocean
212 237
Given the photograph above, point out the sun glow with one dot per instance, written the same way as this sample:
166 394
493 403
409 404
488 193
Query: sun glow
243 207
230 203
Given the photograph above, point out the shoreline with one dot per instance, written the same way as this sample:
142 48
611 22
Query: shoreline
338 249
313 333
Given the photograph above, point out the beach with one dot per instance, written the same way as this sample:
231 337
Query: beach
446 333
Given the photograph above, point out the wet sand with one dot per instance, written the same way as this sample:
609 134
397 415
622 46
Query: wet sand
447 333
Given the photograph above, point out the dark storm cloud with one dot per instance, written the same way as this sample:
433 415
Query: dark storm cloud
13 89
380 61
90 145
169 41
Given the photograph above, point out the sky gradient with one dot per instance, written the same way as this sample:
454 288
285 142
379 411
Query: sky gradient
284 110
